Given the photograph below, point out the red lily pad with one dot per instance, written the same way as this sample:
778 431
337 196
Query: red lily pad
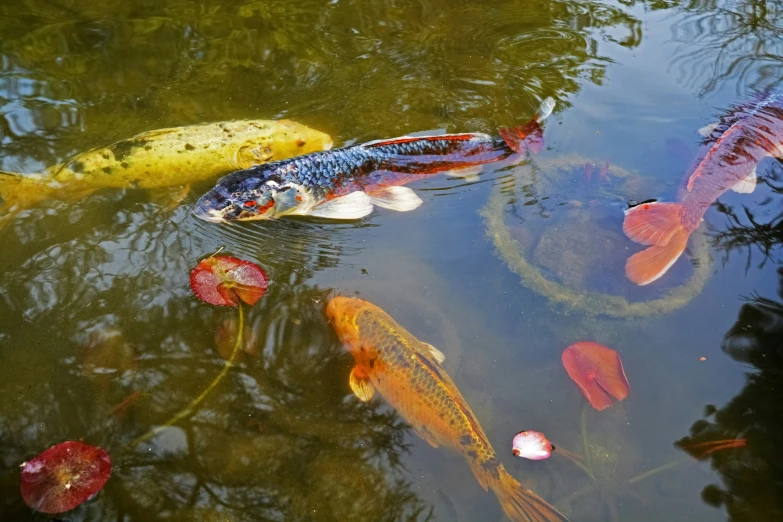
598 372
64 476
225 280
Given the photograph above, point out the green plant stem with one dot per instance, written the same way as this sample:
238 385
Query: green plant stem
561 451
654 471
586 440
190 408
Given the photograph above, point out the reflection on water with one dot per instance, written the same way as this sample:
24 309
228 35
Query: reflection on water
101 339
752 477
738 42
755 228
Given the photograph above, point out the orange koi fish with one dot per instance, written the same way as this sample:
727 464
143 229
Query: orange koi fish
737 144
409 375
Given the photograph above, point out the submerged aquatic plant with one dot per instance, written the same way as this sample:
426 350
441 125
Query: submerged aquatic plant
598 372
64 476
220 281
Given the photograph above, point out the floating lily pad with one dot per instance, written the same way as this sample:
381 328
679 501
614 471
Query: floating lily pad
598 372
225 280
64 476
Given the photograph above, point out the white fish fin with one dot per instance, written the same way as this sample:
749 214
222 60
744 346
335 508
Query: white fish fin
169 198
437 354
547 106
708 129
361 386
778 152
351 206
424 433
401 199
747 185
469 174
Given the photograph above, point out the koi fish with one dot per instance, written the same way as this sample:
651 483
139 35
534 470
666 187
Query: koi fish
162 159
408 374
736 145
345 183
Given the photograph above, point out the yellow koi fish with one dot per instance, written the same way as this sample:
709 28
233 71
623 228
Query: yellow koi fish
163 158
408 374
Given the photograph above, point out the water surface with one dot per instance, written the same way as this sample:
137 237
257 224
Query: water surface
102 283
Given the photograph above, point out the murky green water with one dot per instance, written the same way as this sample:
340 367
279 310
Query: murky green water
95 305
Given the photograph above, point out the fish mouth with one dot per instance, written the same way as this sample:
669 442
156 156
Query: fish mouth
207 209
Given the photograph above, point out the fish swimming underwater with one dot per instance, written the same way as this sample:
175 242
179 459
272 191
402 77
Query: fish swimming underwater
163 158
408 374
735 146
345 183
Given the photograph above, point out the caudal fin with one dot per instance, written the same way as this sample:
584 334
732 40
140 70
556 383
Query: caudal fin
659 225
18 192
521 504
530 136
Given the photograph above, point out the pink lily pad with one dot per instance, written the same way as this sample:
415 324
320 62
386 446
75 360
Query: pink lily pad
225 280
64 476
532 445
598 372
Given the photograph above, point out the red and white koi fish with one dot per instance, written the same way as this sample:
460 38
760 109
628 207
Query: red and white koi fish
737 144
345 183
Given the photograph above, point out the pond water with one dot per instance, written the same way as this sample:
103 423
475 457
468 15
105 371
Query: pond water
101 338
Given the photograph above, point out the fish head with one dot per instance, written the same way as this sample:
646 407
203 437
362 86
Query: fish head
343 313
242 198
281 139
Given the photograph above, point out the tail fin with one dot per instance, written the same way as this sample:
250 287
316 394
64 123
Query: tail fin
530 136
521 504
659 225
18 192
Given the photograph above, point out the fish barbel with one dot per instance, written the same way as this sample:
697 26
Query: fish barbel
163 158
735 146
345 183
408 374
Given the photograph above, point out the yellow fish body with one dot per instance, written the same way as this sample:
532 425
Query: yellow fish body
408 374
164 158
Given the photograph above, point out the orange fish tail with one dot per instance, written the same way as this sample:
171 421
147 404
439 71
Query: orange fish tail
659 225
528 137
521 504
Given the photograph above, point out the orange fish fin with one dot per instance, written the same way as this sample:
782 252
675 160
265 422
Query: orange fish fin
527 137
652 223
648 265
521 504
361 385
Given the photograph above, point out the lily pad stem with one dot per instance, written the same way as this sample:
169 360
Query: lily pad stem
190 408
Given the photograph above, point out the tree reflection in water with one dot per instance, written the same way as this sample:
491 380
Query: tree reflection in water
753 475
721 41
279 439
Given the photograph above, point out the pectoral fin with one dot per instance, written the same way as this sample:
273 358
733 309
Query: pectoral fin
747 185
436 354
401 199
469 174
708 129
425 434
361 385
351 206
170 198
